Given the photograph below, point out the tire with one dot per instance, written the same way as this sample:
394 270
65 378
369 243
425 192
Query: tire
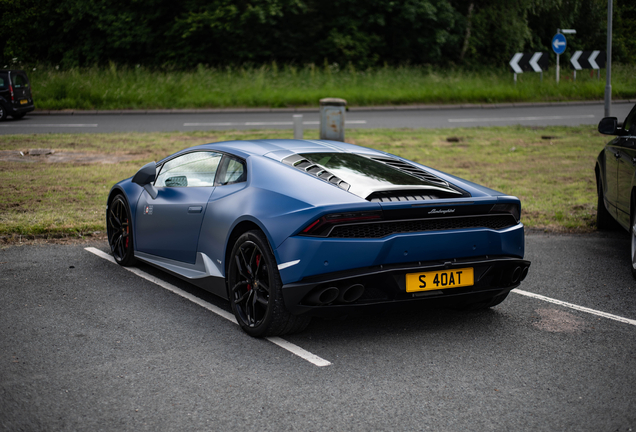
632 232
604 220
3 112
484 304
18 116
255 289
120 233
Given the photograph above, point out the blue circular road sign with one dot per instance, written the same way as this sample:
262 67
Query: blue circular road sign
559 43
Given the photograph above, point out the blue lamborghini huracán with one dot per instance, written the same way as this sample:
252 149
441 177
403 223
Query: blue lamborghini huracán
290 229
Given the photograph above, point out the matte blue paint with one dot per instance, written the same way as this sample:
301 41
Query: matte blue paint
281 200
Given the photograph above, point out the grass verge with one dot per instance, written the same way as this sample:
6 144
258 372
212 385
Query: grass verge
551 169
271 86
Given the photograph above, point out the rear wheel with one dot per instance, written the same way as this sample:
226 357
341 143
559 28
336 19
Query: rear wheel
3 113
255 289
119 229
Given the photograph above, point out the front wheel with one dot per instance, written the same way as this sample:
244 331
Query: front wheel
255 289
119 230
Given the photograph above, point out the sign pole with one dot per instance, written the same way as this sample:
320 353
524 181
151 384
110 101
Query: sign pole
608 65
558 69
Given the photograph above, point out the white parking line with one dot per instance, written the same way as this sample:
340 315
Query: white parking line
49 125
284 123
576 307
505 119
294 349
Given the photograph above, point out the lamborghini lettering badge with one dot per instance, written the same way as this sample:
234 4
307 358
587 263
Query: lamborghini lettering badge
148 210
446 211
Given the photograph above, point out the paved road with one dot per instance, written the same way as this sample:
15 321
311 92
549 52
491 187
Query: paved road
86 345
569 115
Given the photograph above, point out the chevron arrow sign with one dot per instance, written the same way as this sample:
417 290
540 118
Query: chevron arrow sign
529 62
588 60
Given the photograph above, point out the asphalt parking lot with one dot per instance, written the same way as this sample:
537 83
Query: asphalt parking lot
88 345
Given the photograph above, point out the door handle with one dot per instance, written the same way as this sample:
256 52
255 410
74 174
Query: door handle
195 209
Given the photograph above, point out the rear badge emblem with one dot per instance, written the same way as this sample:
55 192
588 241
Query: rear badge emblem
444 211
148 210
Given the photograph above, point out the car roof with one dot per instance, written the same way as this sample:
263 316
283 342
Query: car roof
280 148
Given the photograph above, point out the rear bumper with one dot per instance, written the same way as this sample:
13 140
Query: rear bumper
20 109
385 285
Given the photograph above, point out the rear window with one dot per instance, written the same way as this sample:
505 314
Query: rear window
19 81
363 172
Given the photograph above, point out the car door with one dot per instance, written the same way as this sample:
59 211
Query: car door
169 225
626 166
611 175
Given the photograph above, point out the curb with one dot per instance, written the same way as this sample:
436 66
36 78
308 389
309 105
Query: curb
316 109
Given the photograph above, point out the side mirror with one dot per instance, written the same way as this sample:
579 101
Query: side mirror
147 174
609 126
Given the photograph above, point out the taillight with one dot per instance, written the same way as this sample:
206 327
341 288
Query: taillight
513 209
11 90
322 226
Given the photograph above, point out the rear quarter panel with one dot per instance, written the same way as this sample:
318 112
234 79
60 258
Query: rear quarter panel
280 200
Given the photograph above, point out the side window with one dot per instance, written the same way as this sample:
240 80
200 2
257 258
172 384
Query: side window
190 170
233 171
628 125
4 78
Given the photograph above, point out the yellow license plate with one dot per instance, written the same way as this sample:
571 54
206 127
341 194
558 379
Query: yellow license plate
440 279
24 101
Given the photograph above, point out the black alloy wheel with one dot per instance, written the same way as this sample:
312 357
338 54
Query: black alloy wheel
119 229
255 289
3 113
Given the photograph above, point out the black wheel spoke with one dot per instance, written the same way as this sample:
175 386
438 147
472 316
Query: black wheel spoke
258 297
253 263
243 296
247 264
249 308
122 248
263 286
240 267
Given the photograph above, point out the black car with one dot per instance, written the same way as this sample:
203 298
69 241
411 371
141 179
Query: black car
616 185
15 94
